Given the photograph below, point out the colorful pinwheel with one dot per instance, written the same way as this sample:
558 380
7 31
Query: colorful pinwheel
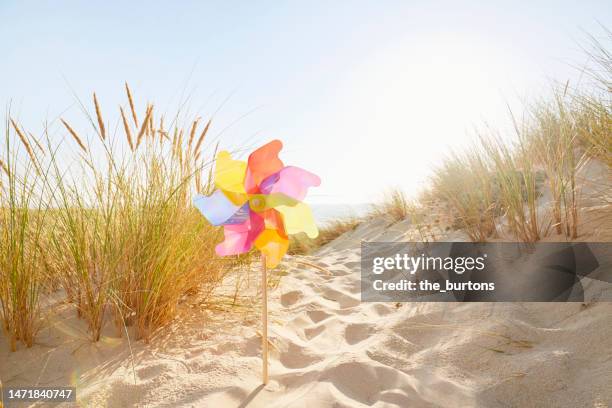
259 203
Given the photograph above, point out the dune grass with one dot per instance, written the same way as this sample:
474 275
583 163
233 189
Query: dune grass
464 183
22 264
114 228
335 229
496 187
300 244
394 205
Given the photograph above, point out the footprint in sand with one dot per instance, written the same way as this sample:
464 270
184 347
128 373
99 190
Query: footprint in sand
312 332
344 300
318 315
291 298
382 309
358 332
298 357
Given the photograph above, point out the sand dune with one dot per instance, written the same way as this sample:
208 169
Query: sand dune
331 350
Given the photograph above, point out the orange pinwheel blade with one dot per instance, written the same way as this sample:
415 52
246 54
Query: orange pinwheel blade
262 163
273 245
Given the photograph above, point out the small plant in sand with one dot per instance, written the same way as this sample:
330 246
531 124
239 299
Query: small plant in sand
394 205
464 181
514 175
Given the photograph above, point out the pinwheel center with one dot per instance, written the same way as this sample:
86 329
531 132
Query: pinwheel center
257 203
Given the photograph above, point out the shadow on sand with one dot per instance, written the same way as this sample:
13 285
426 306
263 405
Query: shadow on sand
251 396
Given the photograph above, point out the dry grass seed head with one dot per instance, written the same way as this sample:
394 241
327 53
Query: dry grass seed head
144 126
201 138
192 133
126 127
24 141
74 134
131 102
99 116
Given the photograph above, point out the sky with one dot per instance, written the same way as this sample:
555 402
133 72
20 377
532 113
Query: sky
369 95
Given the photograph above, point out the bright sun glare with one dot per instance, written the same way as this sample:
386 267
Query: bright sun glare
409 103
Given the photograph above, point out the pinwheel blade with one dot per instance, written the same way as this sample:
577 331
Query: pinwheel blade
229 177
291 181
262 163
298 218
274 220
273 245
239 238
263 202
220 210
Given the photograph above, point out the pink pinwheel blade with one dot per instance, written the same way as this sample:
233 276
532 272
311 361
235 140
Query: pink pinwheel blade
239 238
291 181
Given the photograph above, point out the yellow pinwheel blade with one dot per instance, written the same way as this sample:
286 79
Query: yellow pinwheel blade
229 177
298 218
263 202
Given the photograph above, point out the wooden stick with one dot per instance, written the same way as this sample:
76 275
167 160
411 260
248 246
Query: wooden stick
264 318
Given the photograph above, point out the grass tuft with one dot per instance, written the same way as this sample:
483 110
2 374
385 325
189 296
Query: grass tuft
114 227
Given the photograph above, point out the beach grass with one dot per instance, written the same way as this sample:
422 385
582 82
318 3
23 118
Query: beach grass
496 187
22 220
113 228
394 205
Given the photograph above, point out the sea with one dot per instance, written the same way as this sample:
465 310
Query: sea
324 213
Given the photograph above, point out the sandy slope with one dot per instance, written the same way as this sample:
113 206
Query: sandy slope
331 350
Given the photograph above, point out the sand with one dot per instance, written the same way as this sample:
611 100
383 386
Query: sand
328 349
